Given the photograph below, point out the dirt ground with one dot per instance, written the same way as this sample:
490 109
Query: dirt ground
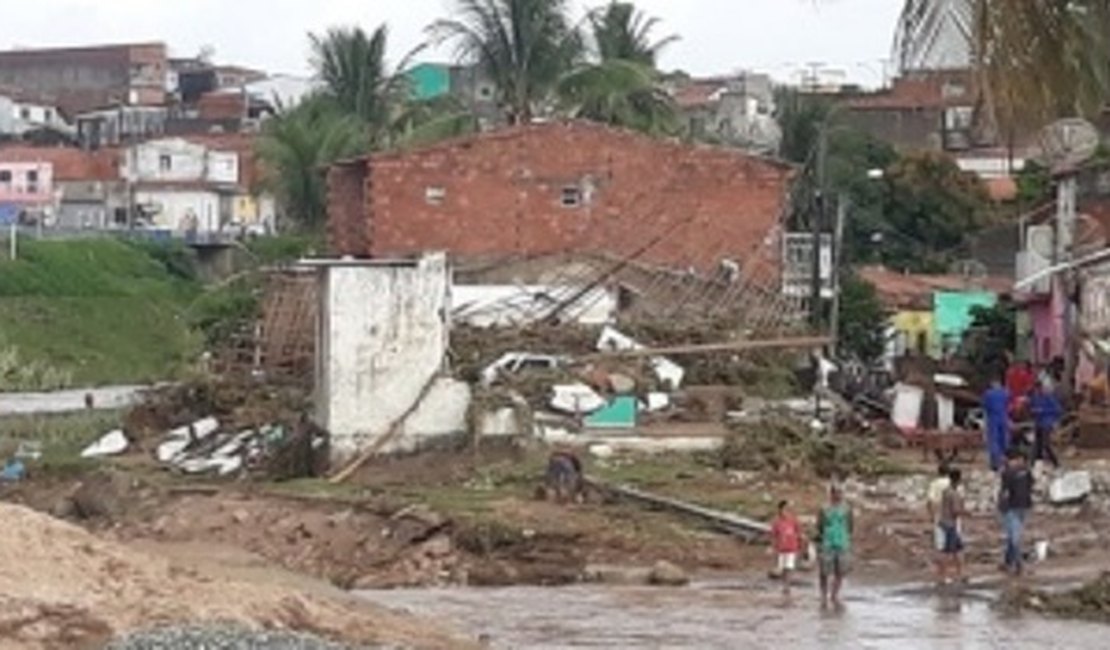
62 587
470 516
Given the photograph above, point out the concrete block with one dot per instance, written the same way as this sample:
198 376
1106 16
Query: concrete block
1069 488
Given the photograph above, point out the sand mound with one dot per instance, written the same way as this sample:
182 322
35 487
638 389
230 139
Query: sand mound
61 587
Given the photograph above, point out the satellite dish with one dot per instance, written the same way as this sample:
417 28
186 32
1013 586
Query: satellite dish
1068 142
1042 241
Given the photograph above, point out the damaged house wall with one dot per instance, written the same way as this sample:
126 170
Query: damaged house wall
555 187
382 336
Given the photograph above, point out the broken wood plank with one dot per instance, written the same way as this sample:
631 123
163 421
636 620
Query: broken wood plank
708 348
740 526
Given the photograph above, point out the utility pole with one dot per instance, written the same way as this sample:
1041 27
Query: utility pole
1067 281
816 222
842 206
817 219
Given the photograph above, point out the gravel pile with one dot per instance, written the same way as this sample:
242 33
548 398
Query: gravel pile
221 637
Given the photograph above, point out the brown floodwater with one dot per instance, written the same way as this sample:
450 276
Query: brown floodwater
737 614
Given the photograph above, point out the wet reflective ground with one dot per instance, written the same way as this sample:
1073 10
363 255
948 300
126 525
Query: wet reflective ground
739 615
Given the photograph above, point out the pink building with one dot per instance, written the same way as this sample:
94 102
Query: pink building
27 184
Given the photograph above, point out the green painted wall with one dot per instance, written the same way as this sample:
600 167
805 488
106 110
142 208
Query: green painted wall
952 313
430 80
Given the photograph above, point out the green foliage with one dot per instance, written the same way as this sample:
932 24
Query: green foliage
621 33
620 93
298 145
524 46
353 67
862 319
990 338
429 121
18 374
284 248
800 117
1034 184
94 311
175 257
933 207
222 311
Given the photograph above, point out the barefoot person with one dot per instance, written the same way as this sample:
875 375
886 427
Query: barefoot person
951 511
834 528
933 499
786 540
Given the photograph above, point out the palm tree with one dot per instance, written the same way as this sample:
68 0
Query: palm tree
428 121
621 32
524 46
620 93
295 148
1037 60
352 66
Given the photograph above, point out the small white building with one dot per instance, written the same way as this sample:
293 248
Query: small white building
382 335
183 186
20 114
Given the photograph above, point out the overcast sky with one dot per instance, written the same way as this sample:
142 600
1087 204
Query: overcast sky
774 36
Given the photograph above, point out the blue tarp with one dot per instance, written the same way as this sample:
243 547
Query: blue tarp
9 213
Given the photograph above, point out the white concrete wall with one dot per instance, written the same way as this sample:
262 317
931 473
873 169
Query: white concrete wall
381 338
174 207
177 160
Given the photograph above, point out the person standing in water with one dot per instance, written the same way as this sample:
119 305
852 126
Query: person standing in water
834 530
786 540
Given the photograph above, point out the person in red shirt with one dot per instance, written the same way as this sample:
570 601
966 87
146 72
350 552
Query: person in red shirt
1020 381
786 541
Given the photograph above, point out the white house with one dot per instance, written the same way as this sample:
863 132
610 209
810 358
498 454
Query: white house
19 114
183 186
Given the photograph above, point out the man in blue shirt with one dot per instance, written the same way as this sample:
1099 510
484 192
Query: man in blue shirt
1047 413
996 402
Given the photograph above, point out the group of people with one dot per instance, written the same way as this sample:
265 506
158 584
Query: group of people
833 542
946 509
1022 392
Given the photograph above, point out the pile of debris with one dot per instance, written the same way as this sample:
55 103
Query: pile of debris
785 445
1090 602
222 427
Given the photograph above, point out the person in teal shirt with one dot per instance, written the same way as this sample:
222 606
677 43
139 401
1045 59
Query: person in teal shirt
834 533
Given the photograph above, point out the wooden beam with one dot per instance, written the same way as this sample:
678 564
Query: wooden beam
709 348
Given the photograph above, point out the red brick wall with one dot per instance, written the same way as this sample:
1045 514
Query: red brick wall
502 194
347 223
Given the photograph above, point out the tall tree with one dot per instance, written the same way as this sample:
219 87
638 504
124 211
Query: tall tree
352 65
620 93
1038 59
524 46
621 32
295 148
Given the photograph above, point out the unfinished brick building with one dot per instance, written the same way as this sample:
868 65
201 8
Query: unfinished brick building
559 187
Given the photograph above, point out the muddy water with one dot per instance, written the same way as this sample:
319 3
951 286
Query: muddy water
735 615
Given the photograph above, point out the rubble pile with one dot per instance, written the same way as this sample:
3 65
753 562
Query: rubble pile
62 587
473 349
784 445
239 403
222 426
1088 602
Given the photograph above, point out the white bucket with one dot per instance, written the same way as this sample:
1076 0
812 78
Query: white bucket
1041 551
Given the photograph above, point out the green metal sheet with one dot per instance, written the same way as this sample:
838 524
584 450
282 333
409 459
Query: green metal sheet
620 413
